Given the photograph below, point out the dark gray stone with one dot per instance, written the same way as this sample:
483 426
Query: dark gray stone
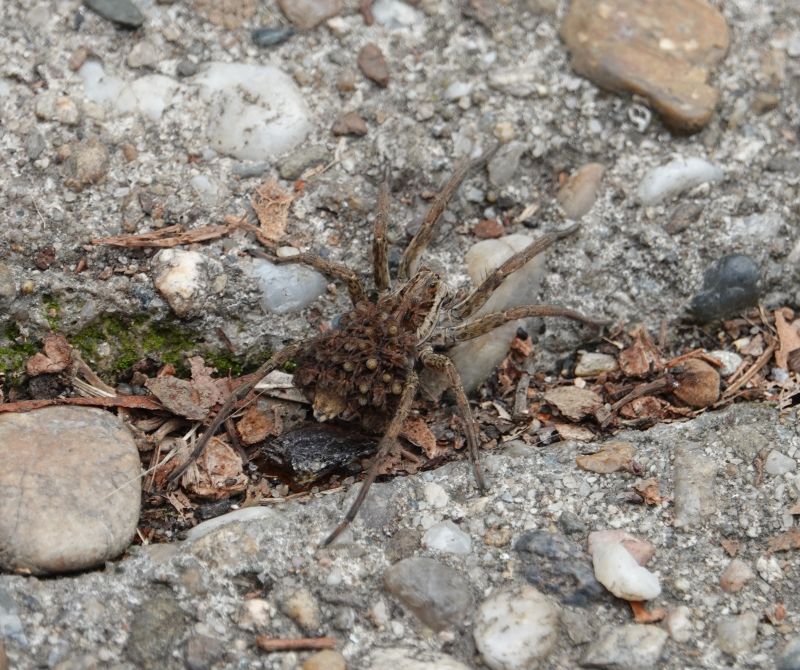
157 627
556 565
790 657
272 36
122 12
438 595
730 285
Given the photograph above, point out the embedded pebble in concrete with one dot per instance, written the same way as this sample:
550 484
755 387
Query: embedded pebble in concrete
790 656
53 106
255 112
737 633
730 361
327 659
149 95
679 624
778 464
556 565
435 593
8 287
579 192
769 569
123 12
302 608
730 285
446 537
504 164
695 497
187 279
735 576
679 175
617 570
476 358
271 36
395 14
86 164
632 646
591 364
71 487
307 14
285 288
516 628
294 164
641 550
157 625
662 51
399 658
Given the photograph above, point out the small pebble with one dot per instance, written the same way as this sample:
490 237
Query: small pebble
769 569
683 216
778 464
255 614
677 176
730 285
372 63
435 593
143 54
327 659
617 570
295 163
737 633
592 364
579 192
156 626
679 623
87 164
301 607
307 14
790 656
516 629
286 288
641 550
446 537
435 495
412 658
631 646
349 123
187 279
730 361
735 576
505 163
694 490
395 14
203 651
123 12
270 37
53 106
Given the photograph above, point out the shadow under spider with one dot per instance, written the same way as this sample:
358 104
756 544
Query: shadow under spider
367 367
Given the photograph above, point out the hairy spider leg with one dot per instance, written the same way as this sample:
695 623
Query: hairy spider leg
410 260
443 364
477 299
380 243
330 269
384 447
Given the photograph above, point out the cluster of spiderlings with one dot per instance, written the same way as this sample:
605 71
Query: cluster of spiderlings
364 360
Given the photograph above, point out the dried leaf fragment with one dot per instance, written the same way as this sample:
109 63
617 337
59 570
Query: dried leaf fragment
191 399
417 432
271 205
573 402
612 457
698 383
649 490
255 426
789 338
217 474
55 357
786 541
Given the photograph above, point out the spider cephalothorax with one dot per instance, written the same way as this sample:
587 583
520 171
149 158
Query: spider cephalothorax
367 365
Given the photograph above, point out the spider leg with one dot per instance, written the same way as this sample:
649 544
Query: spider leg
225 411
410 259
443 364
483 324
329 268
384 446
477 299
380 245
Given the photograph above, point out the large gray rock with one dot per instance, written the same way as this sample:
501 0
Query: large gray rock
70 489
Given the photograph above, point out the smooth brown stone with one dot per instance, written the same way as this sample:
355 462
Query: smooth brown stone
372 63
661 50
307 14
350 123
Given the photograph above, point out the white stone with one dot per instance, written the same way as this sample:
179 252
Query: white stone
730 361
446 537
516 629
208 190
617 570
395 14
285 288
769 569
675 177
678 624
187 279
148 96
255 614
458 89
591 364
401 658
476 358
255 112
779 464
435 495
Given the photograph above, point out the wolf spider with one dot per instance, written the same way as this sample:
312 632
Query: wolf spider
367 365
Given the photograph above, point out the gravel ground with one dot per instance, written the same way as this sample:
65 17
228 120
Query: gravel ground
77 170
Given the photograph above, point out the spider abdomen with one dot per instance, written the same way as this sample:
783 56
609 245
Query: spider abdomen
358 367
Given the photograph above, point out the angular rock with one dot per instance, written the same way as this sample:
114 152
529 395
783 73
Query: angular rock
737 633
573 402
516 629
613 456
436 594
446 537
187 279
735 576
350 123
372 63
505 162
632 646
695 497
71 486
52 106
123 12
778 464
592 364
660 50
307 14
556 565
730 285
87 164
156 626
